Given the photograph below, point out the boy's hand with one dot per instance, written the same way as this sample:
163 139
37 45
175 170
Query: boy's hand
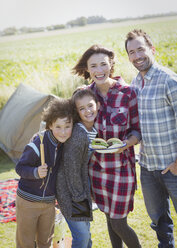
42 171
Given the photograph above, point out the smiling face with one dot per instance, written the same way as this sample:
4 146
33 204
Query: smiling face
87 109
99 67
140 54
62 129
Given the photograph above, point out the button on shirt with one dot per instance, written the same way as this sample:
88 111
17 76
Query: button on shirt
157 105
118 117
113 176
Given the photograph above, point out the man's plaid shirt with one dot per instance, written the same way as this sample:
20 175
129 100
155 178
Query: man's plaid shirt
157 105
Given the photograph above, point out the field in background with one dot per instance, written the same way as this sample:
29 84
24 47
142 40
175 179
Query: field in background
44 61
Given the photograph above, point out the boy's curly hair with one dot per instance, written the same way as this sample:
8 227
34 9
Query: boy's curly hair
57 108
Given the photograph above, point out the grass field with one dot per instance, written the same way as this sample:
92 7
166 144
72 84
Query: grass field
44 61
138 219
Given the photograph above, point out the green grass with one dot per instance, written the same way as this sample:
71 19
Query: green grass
45 63
138 219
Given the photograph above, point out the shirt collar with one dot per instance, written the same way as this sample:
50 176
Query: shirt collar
82 126
148 76
95 90
54 141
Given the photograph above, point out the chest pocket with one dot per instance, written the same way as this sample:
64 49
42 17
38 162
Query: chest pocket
119 116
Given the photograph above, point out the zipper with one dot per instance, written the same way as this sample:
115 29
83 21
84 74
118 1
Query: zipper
50 171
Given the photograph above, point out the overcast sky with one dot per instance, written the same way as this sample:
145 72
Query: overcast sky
39 13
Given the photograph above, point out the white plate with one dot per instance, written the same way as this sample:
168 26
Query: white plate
109 150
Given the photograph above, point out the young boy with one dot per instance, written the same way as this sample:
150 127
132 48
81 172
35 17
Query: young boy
35 202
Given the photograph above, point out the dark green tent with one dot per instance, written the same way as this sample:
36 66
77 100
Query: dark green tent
20 119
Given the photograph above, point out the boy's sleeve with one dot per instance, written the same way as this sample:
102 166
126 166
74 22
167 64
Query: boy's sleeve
27 165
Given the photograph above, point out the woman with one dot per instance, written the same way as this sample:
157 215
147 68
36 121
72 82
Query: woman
113 176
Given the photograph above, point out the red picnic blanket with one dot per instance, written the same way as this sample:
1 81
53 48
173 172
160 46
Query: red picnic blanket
7 200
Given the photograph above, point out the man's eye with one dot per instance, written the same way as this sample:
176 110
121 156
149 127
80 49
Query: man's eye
141 49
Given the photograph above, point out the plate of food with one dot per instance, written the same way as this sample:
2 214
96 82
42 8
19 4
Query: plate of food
110 146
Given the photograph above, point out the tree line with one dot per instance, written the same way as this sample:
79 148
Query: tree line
80 21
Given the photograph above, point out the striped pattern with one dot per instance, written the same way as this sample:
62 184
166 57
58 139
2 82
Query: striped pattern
34 147
90 134
35 198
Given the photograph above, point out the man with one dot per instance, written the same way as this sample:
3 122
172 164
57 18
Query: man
156 89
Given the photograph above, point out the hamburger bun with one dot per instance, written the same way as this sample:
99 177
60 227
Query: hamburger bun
114 143
99 143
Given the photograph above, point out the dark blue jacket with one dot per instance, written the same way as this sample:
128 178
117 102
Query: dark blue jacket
30 186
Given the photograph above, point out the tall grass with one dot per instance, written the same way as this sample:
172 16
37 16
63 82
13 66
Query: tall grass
45 63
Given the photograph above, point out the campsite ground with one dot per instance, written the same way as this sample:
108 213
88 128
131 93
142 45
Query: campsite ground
44 61
138 219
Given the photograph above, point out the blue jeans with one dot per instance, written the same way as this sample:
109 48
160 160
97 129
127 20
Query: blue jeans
157 189
81 236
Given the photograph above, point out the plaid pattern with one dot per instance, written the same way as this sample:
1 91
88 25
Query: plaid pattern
113 176
157 104
113 189
7 200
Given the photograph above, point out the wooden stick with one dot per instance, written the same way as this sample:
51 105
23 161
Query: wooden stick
42 154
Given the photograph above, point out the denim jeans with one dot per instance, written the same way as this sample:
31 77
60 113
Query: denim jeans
157 189
81 236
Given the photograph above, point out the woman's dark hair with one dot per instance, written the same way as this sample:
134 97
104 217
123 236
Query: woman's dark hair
81 67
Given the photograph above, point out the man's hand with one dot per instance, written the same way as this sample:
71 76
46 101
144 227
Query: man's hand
172 168
42 171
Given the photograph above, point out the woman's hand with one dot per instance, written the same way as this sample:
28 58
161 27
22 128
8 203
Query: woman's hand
120 150
131 141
